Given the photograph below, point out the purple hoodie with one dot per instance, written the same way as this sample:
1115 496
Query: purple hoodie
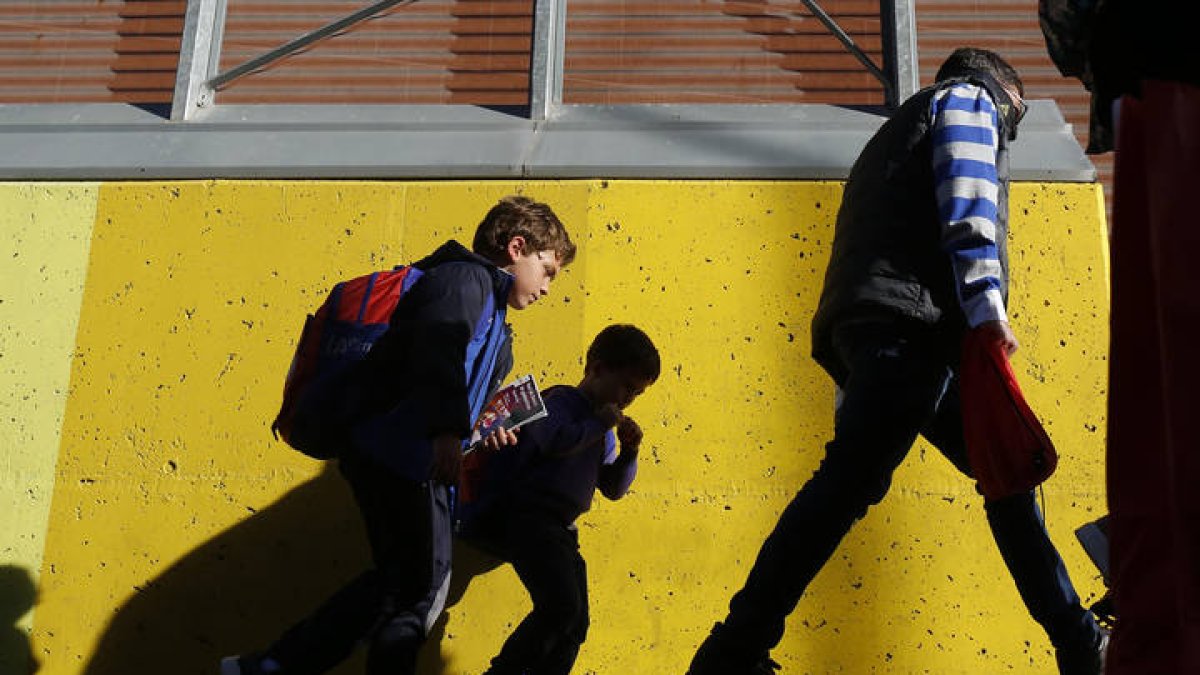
559 461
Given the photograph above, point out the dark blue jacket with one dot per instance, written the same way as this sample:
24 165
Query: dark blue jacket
557 465
447 349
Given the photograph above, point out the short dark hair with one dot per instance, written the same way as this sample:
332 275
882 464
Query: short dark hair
621 346
966 60
516 216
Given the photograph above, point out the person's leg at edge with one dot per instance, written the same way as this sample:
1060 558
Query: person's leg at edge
1034 563
1177 135
1152 456
891 392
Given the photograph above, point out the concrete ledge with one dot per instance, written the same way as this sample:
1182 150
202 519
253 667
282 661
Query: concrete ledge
103 141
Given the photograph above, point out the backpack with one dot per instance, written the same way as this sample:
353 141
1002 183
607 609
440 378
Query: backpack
341 332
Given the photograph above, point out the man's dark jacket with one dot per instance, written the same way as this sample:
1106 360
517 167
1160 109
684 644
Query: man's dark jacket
887 263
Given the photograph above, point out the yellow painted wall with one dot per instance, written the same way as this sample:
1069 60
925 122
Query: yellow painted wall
46 229
180 531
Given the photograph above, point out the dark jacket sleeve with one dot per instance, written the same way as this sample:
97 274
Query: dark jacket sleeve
616 476
421 361
562 432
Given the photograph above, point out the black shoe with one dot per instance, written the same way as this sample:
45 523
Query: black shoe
1088 660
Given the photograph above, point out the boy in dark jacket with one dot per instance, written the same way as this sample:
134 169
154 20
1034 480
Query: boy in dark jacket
532 493
406 409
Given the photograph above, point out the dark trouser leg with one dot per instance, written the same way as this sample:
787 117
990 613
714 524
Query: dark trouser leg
891 392
545 555
328 636
408 528
412 544
1032 560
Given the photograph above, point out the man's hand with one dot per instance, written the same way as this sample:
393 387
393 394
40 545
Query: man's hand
629 434
499 438
998 331
447 459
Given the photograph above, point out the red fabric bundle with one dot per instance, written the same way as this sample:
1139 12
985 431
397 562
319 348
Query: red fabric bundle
1007 447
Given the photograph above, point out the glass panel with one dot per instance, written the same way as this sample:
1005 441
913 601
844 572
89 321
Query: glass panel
66 51
713 51
471 52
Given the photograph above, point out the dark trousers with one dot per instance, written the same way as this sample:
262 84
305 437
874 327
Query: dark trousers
394 604
545 555
900 385
1153 436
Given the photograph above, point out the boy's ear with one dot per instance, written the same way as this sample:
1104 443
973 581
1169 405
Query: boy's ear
515 248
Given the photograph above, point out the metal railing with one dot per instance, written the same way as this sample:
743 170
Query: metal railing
198 78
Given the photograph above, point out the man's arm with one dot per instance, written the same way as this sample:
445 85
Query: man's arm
965 143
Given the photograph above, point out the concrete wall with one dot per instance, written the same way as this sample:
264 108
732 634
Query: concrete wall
145 329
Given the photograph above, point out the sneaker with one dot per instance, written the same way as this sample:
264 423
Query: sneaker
248 665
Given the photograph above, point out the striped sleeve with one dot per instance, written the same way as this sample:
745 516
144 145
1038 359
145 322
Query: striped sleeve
965 143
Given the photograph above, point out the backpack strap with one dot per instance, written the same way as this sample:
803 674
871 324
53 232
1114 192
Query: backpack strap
489 336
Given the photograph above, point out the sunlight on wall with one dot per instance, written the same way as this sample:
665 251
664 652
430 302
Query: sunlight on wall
180 531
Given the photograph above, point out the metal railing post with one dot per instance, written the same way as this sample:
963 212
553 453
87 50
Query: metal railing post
899 28
199 54
549 43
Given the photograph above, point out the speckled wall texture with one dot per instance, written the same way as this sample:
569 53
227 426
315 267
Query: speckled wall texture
179 530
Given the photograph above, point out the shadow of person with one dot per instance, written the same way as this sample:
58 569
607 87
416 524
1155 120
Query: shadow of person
17 595
240 590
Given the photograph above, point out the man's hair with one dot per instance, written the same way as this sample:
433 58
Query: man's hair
516 216
622 346
966 60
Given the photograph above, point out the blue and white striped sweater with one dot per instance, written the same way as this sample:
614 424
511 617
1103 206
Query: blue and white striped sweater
965 143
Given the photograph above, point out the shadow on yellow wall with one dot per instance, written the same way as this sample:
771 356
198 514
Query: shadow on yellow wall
240 589
17 596
180 532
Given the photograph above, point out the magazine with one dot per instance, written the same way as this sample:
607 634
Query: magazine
512 406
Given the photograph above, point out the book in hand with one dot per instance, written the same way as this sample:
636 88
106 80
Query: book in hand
512 406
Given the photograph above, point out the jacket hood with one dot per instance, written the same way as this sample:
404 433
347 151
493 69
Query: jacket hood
452 251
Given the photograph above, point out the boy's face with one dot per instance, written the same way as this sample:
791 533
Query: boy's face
532 271
614 386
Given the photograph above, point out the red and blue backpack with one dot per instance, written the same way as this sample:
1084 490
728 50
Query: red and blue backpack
341 332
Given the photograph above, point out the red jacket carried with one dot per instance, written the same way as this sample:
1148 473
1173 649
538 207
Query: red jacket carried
1007 447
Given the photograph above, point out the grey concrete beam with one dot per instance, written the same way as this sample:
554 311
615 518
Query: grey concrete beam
98 141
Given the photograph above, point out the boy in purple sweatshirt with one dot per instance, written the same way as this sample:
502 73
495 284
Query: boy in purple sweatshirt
531 493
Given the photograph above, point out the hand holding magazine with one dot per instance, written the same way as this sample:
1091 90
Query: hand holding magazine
512 406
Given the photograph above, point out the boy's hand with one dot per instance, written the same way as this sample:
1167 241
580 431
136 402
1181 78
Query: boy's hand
609 415
629 434
499 438
447 459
